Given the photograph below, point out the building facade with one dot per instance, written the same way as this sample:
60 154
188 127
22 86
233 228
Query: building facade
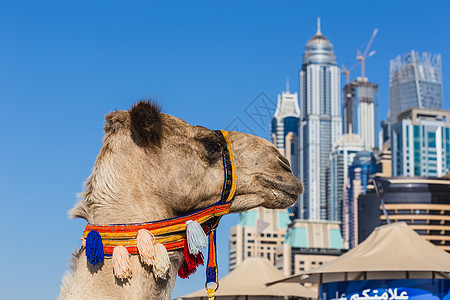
285 126
421 143
360 173
341 158
309 244
422 203
415 80
384 160
246 240
360 111
320 123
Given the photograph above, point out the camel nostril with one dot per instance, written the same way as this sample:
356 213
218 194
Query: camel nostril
284 163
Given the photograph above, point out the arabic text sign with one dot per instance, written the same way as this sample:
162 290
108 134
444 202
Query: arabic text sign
405 289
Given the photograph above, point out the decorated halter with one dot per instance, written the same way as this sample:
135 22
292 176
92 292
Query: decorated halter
152 240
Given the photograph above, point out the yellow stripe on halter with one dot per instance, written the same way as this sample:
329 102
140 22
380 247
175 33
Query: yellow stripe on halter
233 168
132 242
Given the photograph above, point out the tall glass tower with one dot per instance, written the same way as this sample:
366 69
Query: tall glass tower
415 81
320 122
363 167
341 159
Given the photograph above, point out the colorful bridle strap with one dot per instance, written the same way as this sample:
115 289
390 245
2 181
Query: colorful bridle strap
172 232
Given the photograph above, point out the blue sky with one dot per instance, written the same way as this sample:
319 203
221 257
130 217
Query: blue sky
64 65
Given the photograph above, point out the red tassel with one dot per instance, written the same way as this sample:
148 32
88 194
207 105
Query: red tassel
191 262
183 272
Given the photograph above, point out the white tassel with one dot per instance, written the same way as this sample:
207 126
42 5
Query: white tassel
121 262
146 246
162 262
196 237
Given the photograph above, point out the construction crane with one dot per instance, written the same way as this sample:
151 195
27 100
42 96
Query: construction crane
347 71
364 56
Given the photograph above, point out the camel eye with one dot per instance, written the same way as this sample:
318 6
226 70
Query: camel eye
213 150
212 147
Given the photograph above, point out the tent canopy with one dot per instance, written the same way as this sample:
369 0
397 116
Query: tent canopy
394 248
250 279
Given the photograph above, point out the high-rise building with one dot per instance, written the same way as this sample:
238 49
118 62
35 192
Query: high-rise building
284 127
421 143
320 123
308 245
415 80
361 111
384 134
360 173
247 240
422 203
384 160
341 158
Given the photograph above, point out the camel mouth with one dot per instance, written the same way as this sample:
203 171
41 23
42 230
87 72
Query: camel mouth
292 190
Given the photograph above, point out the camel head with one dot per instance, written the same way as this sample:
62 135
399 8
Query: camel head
154 166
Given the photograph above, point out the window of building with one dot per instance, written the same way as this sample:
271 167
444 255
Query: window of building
302 262
249 254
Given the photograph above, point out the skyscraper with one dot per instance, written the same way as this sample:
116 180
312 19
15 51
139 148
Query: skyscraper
421 143
361 171
284 127
320 122
415 81
341 159
361 111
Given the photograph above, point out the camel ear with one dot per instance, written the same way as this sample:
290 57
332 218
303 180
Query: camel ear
146 124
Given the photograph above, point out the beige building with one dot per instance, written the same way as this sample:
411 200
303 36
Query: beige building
384 160
309 244
251 238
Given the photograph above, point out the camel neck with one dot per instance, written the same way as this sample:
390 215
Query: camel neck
99 282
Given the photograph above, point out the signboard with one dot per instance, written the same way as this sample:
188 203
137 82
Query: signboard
398 289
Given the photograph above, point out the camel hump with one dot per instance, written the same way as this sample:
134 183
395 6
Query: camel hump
146 123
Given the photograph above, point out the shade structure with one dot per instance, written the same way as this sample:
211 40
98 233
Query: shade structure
392 251
248 280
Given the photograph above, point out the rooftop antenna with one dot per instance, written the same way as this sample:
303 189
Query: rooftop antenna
287 85
318 27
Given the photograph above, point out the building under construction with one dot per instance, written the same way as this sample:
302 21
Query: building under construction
415 81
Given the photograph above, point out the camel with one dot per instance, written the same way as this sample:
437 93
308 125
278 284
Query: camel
154 166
